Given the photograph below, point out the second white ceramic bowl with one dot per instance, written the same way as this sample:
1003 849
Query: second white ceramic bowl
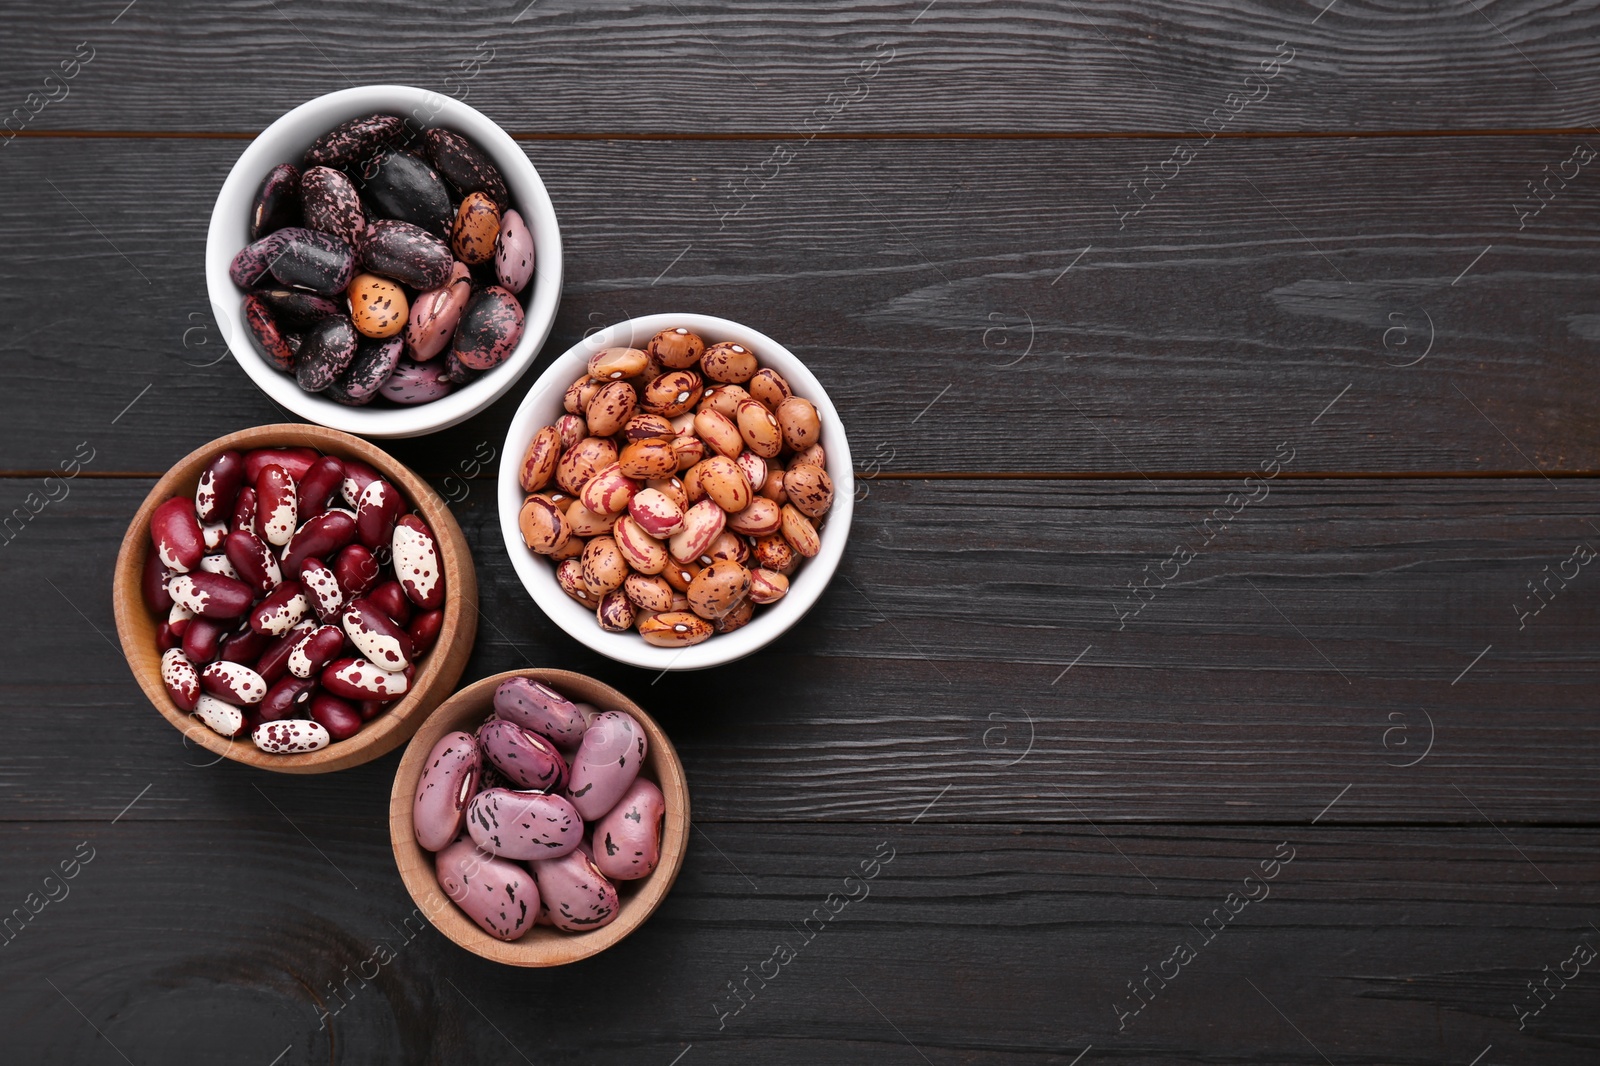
543 405
285 141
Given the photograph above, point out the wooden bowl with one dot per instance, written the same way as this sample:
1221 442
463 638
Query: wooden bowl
436 674
542 945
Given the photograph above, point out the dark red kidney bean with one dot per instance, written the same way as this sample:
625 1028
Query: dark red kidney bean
297 310
287 698
253 263
175 532
372 366
165 638
210 595
357 476
424 630
234 682
201 640
314 491
322 588
370 709
267 337
356 570
277 202
153 583
351 142
339 717
314 650
416 562
317 262
178 623
244 511
465 166
408 253
277 506
321 537
378 509
255 563
328 348
244 645
490 328
330 204
358 679
219 487
392 600
295 460
384 644
403 186
274 662
278 613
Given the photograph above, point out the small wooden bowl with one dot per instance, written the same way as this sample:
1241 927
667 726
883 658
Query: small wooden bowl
543 945
438 671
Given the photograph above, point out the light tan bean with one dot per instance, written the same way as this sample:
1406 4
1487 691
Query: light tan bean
614 364
656 513
586 523
645 426
769 389
799 532
718 588
579 393
761 518
673 393
726 545
603 566
701 524
569 575
677 348
570 550
723 399
729 362
583 461
539 463
689 450
675 629
767 586
609 491
810 489
774 553
773 488
680 576
639 549
801 426
759 429
648 592
813 456
672 488
544 528
648 459
755 469
572 429
720 434
724 483
610 408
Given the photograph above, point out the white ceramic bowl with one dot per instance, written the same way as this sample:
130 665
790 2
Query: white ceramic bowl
543 405
285 141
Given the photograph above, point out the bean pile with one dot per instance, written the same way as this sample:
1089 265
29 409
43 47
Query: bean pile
286 615
677 558
535 819
380 256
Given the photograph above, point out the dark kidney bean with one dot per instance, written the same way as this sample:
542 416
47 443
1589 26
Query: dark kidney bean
424 630
357 476
403 186
490 328
339 717
350 142
279 612
370 709
253 263
465 166
406 252
328 348
153 583
316 489
297 310
201 639
391 599
317 262
244 511
378 509
211 595
373 365
255 563
287 698
294 460
244 646
356 570
274 662
175 532
219 486
321 536
332 206
277 203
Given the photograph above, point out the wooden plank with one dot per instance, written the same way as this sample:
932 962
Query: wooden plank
1339 641
1277 295
973 943
720 68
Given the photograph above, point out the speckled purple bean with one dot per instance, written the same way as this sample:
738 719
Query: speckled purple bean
350 142
465 166
277 202
455 371
413 383
513 253
331 205
573 894
490 328
317 262
449 779
408 253
435 313
540 708
298 310
374 362
527 759
627 841
607 762
253 264
500 896
523 825
328 348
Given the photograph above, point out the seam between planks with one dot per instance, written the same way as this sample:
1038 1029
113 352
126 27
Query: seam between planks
868 135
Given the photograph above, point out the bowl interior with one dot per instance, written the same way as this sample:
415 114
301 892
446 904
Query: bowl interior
542 945
285 141
436 674
543 405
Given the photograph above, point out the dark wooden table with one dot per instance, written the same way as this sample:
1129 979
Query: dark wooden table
1222 384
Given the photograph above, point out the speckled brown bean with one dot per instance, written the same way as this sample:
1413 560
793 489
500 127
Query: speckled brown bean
773 488
657 513
689 450
692 489
701 524
755 469
544 528
639 549
578 394
737 618
767 586
774 553
378 306
723 399
648 592
477 225
724 483
583 461
675 629
769 388
812 456
810 489
671 488
718 588
760 429
645 426
539 462
673 393
720 434
572 429
569 575
603 565
615 613
677 349
648 459
615 364
733 363
726 545
610 408
570 550
801 427
799 532
761 518
609 491
679 576
586 523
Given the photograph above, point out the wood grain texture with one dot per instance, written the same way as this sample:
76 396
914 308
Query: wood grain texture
972 943
940 654
719 67
927 284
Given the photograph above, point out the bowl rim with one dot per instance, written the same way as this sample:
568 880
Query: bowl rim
415 863
813 576
299 126
441 667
